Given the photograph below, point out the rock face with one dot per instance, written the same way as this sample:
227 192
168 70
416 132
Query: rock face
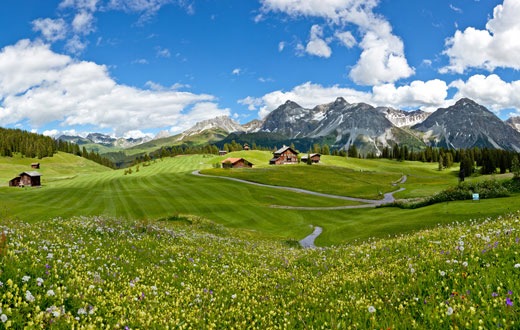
466 125
402 118
339 122
514 122
223 123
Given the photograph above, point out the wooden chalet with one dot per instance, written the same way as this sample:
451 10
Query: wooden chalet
35 165
31 179
315 158
285 155
236 163
246 147
222 152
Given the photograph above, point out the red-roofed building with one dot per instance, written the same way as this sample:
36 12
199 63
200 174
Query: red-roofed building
236 163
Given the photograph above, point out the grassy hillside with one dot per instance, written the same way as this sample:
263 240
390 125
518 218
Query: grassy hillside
59 167
192 274
167 188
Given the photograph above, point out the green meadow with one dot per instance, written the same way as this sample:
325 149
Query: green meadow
95 248
73 186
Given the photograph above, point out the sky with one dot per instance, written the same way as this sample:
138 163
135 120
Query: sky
133 68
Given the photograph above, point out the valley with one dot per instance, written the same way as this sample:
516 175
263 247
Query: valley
73 186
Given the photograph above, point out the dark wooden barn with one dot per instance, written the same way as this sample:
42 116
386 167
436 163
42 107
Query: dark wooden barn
31 179
315 158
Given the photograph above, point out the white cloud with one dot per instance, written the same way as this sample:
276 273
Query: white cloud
455 9
163 52
382 59
83 23
90 5
40 86
75 45
140 61
496 46
281 46
491 91
428 96
236 72
51 29
52 133
137 134
346 38
306 95
316 45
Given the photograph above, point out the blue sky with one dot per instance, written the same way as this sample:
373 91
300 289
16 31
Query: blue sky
136 67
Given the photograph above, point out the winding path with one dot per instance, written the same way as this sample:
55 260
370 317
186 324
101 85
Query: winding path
308 242
387 198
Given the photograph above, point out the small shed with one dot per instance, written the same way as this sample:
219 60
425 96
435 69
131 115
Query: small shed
236 163
31 179
35 165
222 152
315 158
14 182
246 147
285 155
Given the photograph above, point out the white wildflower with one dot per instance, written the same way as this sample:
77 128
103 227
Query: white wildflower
449 311
28 296
371 309
3 318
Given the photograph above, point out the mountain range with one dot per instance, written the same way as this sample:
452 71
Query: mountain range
341 124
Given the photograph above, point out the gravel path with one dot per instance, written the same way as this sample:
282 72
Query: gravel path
387 198
308 242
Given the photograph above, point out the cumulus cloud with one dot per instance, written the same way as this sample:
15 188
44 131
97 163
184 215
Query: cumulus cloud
496 46
427 96
39 86
51 29
236 72
490 91
316 45
382 59
306 95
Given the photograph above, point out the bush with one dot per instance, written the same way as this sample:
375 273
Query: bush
464 191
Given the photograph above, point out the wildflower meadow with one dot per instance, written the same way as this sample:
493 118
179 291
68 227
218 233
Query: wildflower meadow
97 272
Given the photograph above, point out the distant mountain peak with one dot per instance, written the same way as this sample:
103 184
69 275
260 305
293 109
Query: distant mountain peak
340 100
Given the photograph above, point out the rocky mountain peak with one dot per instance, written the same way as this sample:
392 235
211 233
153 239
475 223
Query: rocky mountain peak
514 121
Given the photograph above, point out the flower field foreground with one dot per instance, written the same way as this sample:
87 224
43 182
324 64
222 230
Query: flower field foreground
101 273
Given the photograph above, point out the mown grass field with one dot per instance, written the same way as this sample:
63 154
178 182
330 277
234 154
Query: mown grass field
97 272
75 187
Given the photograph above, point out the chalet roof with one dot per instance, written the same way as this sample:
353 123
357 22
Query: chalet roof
35 163
235 160
284 149
31 174
311 155
231 160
